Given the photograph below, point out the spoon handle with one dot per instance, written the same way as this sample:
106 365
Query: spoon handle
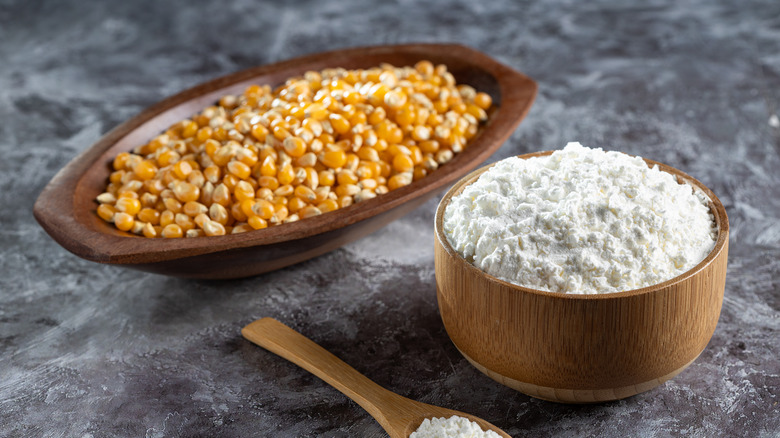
300 350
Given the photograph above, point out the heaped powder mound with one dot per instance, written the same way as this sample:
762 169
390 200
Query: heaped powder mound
452 427
580 221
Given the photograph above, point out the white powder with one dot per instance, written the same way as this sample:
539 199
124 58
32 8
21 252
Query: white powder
580 221
453 427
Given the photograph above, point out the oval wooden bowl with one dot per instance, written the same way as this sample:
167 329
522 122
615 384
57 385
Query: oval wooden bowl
580 348
66 207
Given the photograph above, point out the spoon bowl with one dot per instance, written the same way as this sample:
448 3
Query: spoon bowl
66 208
398 415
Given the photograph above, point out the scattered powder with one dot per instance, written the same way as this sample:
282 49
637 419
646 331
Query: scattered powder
580 221
453 427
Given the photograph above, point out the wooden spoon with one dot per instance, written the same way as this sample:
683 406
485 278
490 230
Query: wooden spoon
398 415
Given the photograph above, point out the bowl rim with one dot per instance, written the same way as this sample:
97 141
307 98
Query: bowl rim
72 228
716 207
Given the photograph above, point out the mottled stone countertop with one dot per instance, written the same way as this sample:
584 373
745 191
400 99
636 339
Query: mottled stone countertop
89 350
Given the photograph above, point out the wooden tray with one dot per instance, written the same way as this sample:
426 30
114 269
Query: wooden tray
66 207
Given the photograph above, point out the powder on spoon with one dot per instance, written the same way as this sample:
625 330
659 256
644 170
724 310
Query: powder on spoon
452 427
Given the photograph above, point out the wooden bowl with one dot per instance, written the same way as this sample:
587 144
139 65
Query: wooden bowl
580 348
66 207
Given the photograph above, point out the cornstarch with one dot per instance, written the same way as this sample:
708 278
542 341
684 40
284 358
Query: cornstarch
580 221
453 427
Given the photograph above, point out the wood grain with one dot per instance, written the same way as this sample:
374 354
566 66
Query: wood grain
580 348
66 207
398 415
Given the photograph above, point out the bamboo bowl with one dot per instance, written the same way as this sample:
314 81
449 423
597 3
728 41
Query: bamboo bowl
66 207
580 348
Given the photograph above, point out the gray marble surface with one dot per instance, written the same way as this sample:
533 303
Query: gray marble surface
88 350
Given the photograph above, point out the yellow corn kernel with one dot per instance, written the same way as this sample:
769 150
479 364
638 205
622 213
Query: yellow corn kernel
263 209
402 163
259 132
399 180
243 191
368 154
268 182
425 68
230 181
145 170
286 174
280 132
149 215
121 160
237 212
334 158
106 212
257 222
345 201
375 167
377 115
328 205
326 177
339 123
247 206
364 172
172 231
239 169
149 231
429 146
212 173
352 163
359 118
185 191
203 134
123 221
193 208
309 159
211 228
415 153
483 100
364 195
322 192
167 217
421 133
184 221
207 193
405 116
295 204
305 193
182 168
201 219
294 146
347 190
264 193
394 99
221 195
128 205
279 216
218 213
309 211
368 183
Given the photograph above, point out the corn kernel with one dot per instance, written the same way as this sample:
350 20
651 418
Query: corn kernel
123 221
129 206
172 231
106 212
